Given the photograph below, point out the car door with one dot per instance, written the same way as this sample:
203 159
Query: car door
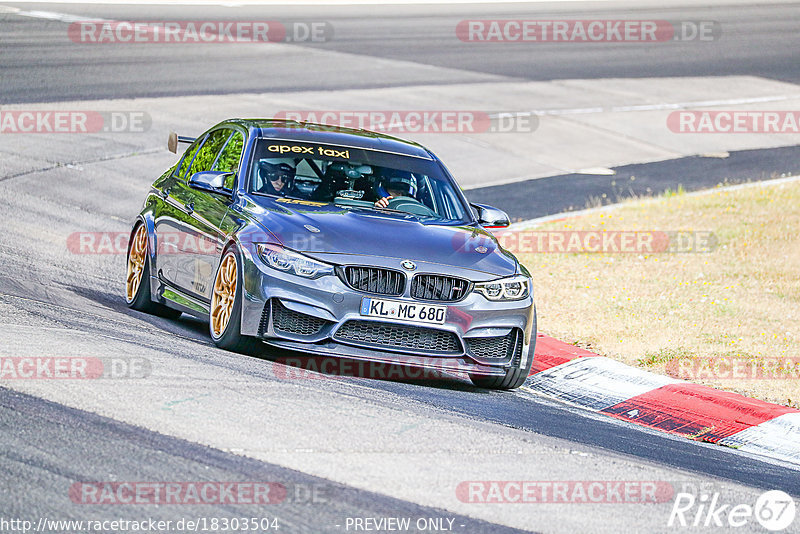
170 215
216 211
204 232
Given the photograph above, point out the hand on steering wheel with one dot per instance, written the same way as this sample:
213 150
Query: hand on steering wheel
383 202
409 205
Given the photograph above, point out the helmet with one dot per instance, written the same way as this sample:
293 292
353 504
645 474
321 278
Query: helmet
401 181
272 169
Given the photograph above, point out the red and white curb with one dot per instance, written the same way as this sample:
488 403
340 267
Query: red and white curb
697 412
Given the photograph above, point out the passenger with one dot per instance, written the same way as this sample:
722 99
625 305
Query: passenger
277 177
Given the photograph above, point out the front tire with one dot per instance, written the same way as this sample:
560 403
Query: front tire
515 376
225 313
137 282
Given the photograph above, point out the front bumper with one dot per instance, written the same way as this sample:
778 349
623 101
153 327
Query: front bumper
323 317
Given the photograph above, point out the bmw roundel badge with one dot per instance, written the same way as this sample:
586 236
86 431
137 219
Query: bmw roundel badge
408 265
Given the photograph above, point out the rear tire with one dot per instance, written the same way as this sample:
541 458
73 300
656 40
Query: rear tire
225 312
515 376
137 283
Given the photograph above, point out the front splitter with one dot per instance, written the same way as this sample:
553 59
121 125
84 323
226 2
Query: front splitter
439 363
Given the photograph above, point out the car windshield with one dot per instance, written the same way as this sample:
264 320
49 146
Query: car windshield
355 178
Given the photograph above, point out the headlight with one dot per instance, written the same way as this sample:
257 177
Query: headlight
287 261
512 288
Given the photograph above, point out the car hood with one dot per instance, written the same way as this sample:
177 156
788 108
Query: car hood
321 230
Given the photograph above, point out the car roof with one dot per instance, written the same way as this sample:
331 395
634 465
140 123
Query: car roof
334 135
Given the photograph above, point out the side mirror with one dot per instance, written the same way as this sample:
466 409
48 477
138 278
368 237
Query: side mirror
211 182
490 217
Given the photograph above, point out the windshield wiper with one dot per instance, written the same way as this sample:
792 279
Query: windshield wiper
375 208
408 214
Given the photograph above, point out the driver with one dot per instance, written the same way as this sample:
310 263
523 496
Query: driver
396 184
277 176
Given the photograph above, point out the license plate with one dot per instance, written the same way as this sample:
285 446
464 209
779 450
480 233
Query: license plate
403 311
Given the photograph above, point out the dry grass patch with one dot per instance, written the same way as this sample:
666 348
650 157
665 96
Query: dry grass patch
740 301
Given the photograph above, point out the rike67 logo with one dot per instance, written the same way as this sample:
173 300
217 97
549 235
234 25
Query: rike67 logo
773 510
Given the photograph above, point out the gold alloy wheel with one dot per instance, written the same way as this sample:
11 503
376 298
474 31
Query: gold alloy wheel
136 259
224 294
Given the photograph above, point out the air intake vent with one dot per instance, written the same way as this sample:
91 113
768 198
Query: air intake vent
292 322
389 335
500 348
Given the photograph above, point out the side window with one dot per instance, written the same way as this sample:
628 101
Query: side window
208 152
228 159
187 159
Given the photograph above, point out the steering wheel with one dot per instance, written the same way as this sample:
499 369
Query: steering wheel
410 205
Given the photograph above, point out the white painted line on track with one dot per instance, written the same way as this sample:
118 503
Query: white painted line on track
238 3
60 17
651 107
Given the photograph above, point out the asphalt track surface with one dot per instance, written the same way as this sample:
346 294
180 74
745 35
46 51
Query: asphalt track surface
98 445
41 64
55 435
